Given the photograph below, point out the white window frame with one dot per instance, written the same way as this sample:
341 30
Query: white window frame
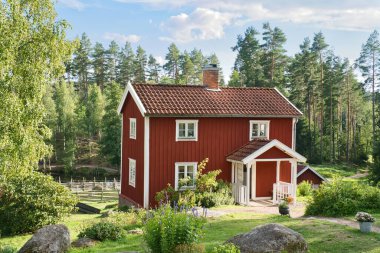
194 164
132 172
186 122
132 134
260 122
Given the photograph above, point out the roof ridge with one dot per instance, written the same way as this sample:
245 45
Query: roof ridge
203 86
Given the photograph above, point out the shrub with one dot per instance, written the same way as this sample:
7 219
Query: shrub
168 228
206 182
226 248
167 195
338 198
102 231
189 248
29 201
304 189
211 199
8 249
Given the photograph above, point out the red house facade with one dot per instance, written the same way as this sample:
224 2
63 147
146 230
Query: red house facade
248 133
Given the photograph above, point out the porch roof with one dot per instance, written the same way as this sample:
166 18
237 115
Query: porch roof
258 147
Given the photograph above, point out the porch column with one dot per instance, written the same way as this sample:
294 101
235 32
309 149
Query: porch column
278 171
248 182
294 178
253 180
233 173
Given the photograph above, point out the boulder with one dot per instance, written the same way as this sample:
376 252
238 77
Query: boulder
49 239
270 238
83 243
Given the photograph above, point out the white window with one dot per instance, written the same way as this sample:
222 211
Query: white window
186 130
185 174
259 129
132 172
132 128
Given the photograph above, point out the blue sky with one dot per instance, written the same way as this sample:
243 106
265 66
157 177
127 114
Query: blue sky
213 26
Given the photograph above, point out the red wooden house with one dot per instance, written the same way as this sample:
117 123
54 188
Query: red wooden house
248 133
307 173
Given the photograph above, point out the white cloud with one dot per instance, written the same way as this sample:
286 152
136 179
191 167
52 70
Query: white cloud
201 24
73 4
161 60
122 38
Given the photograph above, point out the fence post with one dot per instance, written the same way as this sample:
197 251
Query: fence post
71 183
101 196
83 183
59 179
114 183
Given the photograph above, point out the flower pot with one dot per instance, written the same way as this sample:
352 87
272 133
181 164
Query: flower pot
365 226
283 210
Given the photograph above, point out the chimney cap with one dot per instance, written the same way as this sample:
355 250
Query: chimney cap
211 67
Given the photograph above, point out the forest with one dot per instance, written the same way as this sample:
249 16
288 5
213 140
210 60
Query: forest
339 99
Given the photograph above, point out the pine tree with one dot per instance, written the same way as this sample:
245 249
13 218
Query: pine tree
140 65
99 65
199 61
82 65
94 111
153 70
126 65
111 125
172 64
248 58
112 56
187 69
235 80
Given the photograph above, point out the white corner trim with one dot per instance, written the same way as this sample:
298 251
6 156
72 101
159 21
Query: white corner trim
177 164
121 152
266 122
146 162
131 90
315 172
288 101
279 145
186 121
294 122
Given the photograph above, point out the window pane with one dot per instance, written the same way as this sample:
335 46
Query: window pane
182 130
181 169
190 129
262 130
255 129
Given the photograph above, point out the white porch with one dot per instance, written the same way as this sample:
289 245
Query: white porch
248 172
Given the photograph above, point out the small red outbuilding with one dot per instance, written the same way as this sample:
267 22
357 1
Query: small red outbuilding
306 173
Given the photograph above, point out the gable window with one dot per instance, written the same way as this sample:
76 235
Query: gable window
185 174
132 172
132 128
259 129
186 130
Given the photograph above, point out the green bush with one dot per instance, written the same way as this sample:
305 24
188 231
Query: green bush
226 248
168 228
126 220
102 231
339 198
29 201
190 248
304 189
221 196
8 249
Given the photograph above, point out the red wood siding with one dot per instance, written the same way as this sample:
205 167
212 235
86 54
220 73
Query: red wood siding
133 149
285 172
217 137
273 153
310 176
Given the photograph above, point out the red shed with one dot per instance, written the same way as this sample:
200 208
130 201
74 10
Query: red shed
248 133
306 173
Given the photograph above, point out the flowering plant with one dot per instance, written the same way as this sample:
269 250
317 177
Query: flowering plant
364 217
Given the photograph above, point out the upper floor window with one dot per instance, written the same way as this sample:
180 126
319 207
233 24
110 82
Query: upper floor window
186 130
185 174
132 172
132 128
259 129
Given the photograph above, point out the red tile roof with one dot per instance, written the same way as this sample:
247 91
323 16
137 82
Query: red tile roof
248 149
178 100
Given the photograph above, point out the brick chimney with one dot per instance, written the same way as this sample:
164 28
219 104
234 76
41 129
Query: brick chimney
211 76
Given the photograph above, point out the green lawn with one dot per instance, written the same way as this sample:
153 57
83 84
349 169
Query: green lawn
337 170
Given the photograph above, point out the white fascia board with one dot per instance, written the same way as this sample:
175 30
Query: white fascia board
146 161
282 95
279 145
130 90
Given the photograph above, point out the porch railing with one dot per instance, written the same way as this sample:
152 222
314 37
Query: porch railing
282 190
240 193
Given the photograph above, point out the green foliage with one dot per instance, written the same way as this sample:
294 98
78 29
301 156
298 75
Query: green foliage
338 198
304 189
168 228
189 248
94 111
167 195
33 51
111 125
30 201
226 248
102 231
126 220
206 182
8 249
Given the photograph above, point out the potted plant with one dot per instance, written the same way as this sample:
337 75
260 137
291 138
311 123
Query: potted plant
365 221
283 208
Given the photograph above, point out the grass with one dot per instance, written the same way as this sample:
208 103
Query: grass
337 170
